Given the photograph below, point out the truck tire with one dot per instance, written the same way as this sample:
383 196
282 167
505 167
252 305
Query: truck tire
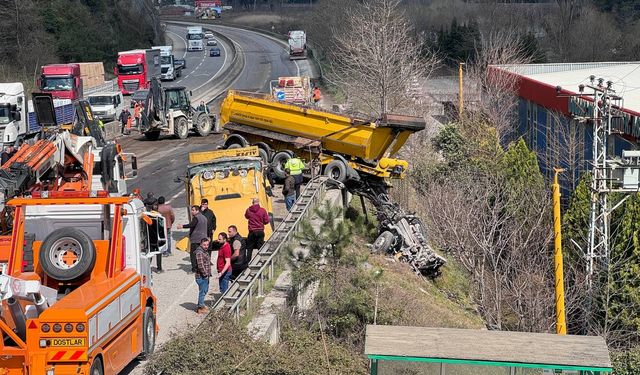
383 243
203 125
152 135
336 170
148 332
264 155
96 367
67 254
181 128
278 162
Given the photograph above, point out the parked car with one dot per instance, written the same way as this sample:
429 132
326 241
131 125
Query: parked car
212 42
215 51
208 35
140 95
182 63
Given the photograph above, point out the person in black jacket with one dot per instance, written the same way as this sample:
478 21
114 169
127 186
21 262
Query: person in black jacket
239 256
211 217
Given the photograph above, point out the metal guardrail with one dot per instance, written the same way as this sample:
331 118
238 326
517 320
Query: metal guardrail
251 282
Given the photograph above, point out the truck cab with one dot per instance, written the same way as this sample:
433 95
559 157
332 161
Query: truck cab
77 292
62 81
168 70
230 180
106 106
195 38
13 112
136 68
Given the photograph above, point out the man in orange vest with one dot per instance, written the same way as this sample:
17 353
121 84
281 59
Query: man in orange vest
136 113
317 95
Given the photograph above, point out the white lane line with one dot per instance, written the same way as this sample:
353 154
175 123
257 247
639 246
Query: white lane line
175 196
226 56
297 68
183 41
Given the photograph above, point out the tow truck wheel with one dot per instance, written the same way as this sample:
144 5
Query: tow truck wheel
182 128
336 170
383 243
67 254
149 333
203 125
152 135
96 367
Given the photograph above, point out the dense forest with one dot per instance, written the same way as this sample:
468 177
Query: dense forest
38 32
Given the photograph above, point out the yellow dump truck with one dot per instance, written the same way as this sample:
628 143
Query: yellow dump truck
339 146
229 179
357 152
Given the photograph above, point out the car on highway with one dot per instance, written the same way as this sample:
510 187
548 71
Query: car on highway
208 35
180 63
212 42
140 95
215 51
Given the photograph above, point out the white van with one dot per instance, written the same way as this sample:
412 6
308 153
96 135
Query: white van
106 106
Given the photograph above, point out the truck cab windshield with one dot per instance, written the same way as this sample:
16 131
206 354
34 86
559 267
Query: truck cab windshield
195 36
100 100
56 83
129 69
165 60
5 114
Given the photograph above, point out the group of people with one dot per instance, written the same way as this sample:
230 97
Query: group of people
126 119
7 153
234 251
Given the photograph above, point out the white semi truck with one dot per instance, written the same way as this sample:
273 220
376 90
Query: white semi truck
13 112
169 71
195 38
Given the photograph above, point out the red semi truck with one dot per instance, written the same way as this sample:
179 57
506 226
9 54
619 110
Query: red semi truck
62 81
136 68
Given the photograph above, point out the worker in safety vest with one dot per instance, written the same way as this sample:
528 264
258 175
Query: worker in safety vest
317 95
136 113
296 166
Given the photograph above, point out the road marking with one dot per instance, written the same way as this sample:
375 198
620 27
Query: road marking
226 56
175 196
183 40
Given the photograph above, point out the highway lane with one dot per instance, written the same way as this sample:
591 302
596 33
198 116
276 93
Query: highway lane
163 160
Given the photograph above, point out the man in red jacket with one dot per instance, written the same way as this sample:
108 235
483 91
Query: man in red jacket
258 218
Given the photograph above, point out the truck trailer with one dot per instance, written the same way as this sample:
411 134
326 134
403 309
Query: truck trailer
136 68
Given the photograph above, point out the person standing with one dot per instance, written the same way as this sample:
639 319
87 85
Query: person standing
153 241
317 95
197 231
257 218
211 217
239 247
296 166
125 115
203 272
289 190
169 217
223 263
8 152
137 109
150 200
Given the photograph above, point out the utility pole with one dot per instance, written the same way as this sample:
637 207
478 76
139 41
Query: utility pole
561 324
461 90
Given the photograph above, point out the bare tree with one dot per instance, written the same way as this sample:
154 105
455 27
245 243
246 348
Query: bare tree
565 148
497 96
376 60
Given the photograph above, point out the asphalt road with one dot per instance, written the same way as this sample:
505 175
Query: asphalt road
159 162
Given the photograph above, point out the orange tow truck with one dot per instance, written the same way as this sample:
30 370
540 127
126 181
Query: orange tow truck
88 306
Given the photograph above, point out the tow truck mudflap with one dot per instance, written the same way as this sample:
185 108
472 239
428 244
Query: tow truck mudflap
13 351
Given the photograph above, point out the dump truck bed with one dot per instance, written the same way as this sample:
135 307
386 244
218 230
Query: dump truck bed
360 138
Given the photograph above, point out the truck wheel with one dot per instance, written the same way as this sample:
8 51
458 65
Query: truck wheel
336 170
67 254
383 243
264 155
152 135
149 332
203 126
181 128
96 367
278 162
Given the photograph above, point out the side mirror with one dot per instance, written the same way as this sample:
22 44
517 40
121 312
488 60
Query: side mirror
190 93
39 83
115 70
16 115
